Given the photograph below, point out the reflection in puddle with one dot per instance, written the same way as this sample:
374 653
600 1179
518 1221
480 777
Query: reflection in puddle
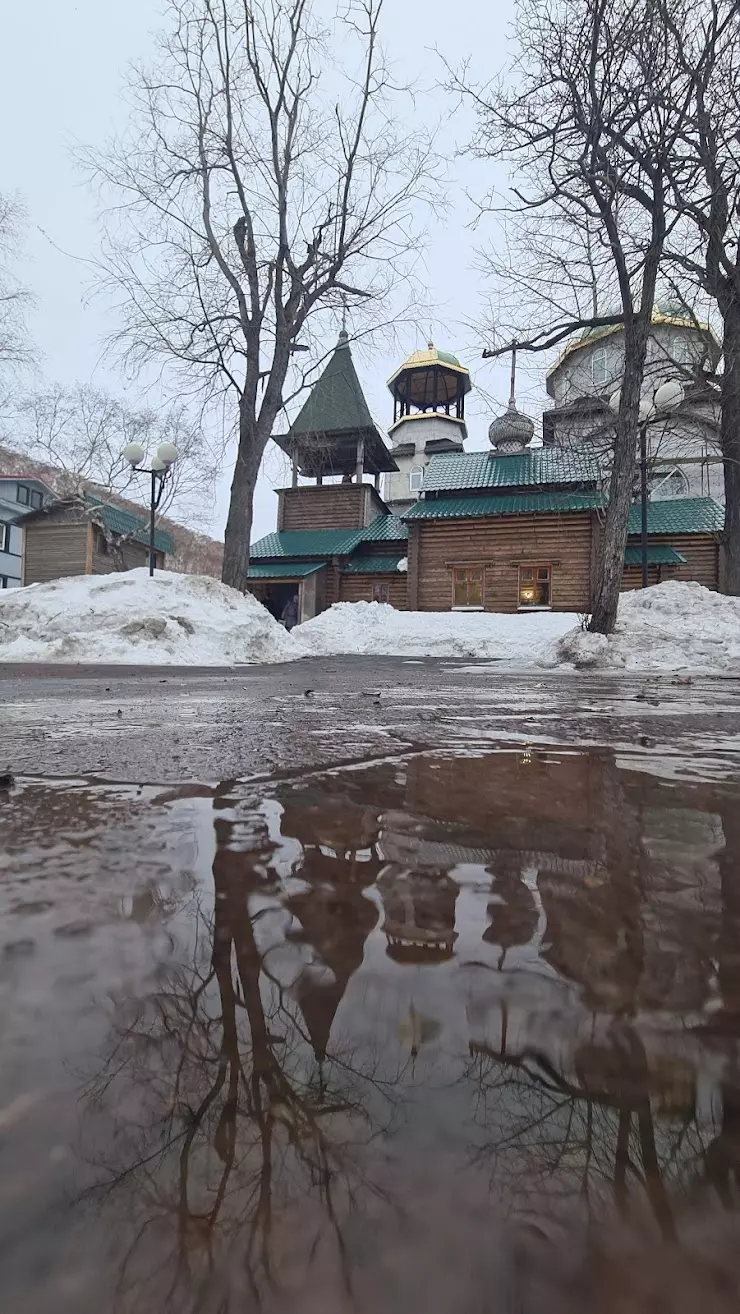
452 1034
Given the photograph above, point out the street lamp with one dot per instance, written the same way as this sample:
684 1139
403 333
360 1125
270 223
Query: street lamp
653 407
159 468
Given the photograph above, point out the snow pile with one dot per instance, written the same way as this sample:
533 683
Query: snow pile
375 628
669 627
129 618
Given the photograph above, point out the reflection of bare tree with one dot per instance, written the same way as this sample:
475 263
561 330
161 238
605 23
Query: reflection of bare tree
223 1118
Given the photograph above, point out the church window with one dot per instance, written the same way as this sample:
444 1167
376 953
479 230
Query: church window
534 586
416 478
598 367
467 587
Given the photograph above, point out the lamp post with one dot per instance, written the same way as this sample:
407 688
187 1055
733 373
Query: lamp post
653 408
159 468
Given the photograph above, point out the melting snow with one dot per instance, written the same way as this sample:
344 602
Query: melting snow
129 618
669 627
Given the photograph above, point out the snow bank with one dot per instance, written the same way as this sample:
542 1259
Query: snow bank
376 628
172 619
668 627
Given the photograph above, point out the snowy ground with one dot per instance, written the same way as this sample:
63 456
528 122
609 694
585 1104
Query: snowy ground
129 618
192 620
367 628
669 627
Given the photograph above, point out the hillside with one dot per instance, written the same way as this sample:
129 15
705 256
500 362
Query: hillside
196 554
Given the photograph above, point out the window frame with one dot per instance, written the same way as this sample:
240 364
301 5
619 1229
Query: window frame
37 500
381 586
4 536
4 581
468 570
416 471
23 501
599 353
534 566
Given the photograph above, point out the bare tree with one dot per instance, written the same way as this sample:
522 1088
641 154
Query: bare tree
266 177
583 119
15 299
82 430
705 197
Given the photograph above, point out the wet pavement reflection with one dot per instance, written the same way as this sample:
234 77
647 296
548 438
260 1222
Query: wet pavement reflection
446 1033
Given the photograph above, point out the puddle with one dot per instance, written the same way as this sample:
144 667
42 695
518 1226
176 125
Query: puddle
443 1033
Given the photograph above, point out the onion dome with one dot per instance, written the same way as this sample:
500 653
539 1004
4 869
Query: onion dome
512 431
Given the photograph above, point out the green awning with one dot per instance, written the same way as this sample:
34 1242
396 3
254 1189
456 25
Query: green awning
658 555
283 569
371 566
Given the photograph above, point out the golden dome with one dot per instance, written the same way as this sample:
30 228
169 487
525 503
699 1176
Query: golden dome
433 360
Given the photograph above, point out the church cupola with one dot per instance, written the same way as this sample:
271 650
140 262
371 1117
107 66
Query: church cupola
513 431
431 383
429 392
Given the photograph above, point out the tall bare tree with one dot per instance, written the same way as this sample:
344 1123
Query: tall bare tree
583 118
705 198
267 176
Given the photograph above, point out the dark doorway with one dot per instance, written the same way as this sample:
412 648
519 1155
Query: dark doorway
277 595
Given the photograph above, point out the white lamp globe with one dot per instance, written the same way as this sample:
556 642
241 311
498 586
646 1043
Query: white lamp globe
614 401
167 453
669 395
133 453
158 466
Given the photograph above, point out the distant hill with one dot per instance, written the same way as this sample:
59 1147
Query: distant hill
196 554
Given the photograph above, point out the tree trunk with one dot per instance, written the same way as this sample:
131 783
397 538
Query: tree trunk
730 443
614 538
235 568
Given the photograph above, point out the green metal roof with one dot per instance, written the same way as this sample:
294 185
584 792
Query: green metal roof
449 472
119 521
514 504
307 543
371 566
680 515
657 556
336 403
385 529
283 569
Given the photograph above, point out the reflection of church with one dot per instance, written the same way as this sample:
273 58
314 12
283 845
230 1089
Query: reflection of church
422 524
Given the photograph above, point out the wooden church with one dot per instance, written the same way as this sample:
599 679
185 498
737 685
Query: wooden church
422 524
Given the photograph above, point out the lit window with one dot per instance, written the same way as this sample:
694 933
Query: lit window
416 478
534 586
598 367
37 500
380 591
467 586
23 494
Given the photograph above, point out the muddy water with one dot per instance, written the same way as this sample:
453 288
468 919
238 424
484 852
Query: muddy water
447 1034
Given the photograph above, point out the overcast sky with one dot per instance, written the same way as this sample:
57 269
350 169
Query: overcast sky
61 71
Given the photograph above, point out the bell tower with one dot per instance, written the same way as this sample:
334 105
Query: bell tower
429 392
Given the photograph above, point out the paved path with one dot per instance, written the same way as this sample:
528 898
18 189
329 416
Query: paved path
167 724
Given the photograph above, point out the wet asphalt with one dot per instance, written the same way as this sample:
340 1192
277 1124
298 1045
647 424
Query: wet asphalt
150 724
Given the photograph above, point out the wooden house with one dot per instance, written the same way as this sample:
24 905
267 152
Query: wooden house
94 538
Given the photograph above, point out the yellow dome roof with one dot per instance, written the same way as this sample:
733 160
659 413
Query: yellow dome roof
431 356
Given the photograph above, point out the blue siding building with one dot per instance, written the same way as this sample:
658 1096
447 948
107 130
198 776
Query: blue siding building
18 497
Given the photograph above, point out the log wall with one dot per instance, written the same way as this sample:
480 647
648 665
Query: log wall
500 545
329 506
54 550
359 588
702 561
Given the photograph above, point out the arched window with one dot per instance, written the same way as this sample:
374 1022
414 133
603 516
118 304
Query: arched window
598 367
416 478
